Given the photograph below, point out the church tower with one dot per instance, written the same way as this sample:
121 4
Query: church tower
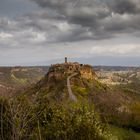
66 60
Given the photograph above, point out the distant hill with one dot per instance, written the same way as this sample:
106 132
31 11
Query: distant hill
13 78
115 68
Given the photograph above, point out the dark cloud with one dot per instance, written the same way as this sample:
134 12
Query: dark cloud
98 19
75 20
125 6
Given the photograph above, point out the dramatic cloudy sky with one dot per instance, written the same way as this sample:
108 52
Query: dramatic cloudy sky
98 32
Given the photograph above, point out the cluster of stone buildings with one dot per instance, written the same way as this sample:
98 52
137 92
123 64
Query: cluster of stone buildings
59 70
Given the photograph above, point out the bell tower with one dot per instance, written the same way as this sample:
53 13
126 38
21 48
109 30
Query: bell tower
66 60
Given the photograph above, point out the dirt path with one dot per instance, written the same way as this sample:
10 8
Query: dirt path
71 95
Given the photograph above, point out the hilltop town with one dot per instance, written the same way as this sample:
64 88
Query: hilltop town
60 70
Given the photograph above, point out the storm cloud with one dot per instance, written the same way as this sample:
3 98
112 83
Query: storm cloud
98 19
75 20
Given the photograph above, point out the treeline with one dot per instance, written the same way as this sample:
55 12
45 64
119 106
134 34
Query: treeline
21 119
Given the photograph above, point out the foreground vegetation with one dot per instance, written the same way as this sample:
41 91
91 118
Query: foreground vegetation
23 120
20 119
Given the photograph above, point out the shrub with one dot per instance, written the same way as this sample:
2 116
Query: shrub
60 123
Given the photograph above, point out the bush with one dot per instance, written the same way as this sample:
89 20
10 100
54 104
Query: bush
60 123
23 120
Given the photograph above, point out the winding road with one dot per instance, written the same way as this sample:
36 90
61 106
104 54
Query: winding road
71 95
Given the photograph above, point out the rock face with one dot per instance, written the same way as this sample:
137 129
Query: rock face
87 72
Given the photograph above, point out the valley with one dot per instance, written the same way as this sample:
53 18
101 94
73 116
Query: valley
13 79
